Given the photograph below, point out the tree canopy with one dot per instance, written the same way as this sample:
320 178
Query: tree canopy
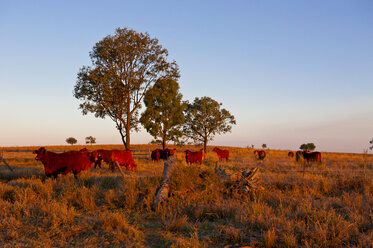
204 119
90 140
71 141
124 66
164 112
308 146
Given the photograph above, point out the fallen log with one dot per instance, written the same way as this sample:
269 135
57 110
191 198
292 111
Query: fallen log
163 190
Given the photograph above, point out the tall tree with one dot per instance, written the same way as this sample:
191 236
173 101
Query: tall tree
125 65
204 119
164 111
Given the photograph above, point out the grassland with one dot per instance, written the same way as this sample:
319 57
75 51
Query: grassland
328 205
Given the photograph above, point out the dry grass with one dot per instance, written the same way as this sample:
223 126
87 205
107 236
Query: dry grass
327 205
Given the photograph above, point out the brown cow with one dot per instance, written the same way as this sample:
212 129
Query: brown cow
260 155
312 156
158 154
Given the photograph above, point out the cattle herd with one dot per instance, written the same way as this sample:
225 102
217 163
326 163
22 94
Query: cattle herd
77 161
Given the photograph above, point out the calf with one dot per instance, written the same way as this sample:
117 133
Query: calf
221 153
63 163
291 154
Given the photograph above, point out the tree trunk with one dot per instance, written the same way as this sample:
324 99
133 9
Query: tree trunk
205 145
164 142
122 136
128 130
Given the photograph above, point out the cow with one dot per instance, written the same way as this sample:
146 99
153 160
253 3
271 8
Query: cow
158 154
102 155
221 153
124 158
298 156
291 154
63 163
194 157
312 156
260 155
155 155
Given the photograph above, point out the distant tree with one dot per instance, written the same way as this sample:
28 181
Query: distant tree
204 119
371 142
71 141
264 146
308 146
163 116
90 140
125 65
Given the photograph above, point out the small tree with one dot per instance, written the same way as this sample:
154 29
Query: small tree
264 146
164 111
308 146
71 140
371 142
204 119
90 140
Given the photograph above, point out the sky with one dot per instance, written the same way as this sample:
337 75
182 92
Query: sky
291 72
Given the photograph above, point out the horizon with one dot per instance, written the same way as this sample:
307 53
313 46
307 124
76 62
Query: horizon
290 72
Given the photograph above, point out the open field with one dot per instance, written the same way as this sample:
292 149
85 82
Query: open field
328 205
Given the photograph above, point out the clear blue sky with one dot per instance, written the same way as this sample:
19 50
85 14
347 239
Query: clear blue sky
289 71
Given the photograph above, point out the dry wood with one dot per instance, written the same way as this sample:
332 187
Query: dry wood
120 169
164 189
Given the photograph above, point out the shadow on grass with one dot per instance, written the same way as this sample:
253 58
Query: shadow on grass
20 172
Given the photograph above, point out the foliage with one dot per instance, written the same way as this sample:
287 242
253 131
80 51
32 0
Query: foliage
164 111
71 141
90 140
308 146
204 119
371 142
264 146
125 65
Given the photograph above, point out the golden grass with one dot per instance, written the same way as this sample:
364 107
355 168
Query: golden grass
327 205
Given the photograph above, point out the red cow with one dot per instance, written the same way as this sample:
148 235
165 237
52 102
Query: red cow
260 155
102 155
312 156
63 163
291 154
221 153
158 154
194 157
124 158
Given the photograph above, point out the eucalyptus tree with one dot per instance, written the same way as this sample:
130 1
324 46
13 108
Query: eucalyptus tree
204 119
163 116
124 66
71 141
